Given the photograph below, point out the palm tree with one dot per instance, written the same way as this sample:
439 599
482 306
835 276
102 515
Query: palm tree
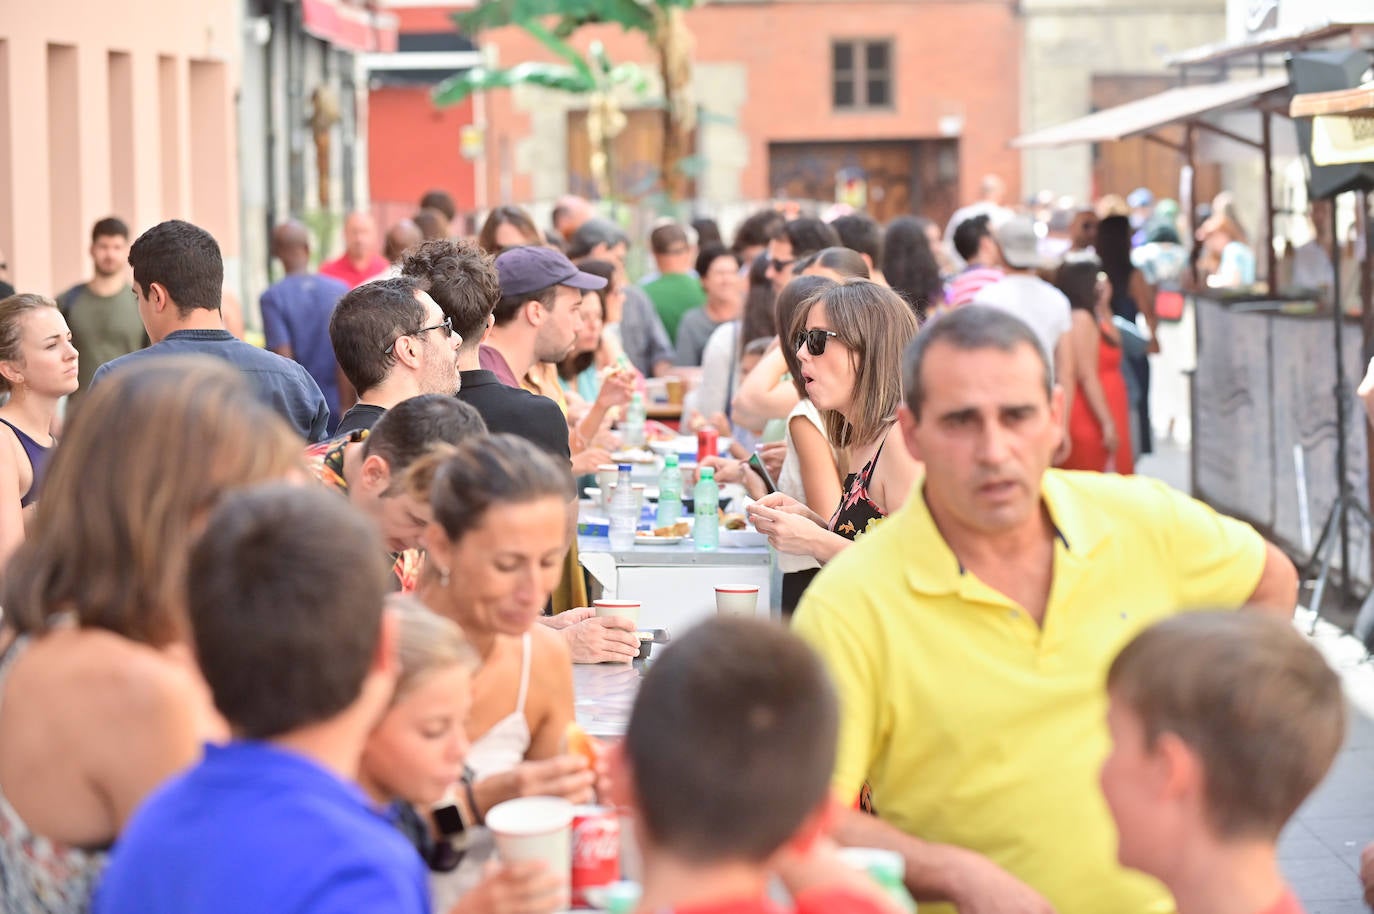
662 23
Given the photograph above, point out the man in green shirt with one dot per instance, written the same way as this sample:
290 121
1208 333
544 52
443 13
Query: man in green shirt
102 312
677 289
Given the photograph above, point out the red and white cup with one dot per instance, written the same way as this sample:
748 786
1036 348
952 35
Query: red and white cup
595 854
535 828
737 601
626 609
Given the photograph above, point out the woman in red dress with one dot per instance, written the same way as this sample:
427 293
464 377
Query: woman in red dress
1100 422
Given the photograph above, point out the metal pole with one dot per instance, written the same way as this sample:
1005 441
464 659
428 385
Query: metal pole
1271 262
1341 484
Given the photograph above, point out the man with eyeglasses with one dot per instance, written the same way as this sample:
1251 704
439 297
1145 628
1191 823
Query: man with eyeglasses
795 240
392 343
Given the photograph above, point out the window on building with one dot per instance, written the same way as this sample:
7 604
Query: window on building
862 74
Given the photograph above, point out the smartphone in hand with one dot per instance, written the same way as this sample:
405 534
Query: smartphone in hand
756 464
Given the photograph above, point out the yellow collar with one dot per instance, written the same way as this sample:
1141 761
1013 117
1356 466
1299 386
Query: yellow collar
932 567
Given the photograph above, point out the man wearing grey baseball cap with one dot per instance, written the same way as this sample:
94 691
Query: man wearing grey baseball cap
539 313
1040 305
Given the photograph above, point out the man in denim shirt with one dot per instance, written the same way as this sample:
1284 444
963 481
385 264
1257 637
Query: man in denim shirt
178 275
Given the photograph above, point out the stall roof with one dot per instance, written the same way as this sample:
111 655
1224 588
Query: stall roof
1147 114
1273 41
1346 101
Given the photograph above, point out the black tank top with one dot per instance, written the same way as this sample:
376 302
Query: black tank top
38 459
857 511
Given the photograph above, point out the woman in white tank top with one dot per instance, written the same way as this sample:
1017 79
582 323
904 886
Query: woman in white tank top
495 553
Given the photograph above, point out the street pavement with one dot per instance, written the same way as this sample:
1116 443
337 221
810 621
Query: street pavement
1320 848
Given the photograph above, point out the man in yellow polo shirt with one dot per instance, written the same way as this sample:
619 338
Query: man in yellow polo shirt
969 635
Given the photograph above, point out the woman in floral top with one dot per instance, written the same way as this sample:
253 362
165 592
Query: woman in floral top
846 346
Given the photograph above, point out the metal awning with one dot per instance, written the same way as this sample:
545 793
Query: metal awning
1146 115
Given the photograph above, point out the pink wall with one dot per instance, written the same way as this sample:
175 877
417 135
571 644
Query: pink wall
123 108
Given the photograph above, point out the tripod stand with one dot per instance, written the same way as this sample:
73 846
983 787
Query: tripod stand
1338 520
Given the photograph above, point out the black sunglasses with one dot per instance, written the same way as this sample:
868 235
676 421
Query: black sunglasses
779 265
813 340
445 325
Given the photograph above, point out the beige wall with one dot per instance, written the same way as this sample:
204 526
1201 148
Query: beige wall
1068 41
113 108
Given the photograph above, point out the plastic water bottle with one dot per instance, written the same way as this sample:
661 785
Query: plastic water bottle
632 429
669 493
886 868
706 528
624 512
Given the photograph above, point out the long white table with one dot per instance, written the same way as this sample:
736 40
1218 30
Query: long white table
676 584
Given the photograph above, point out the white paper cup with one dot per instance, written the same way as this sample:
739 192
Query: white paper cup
607 475
626 609
536 828
737 601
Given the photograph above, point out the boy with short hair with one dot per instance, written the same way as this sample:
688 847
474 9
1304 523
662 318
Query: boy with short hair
1222 724
726 765
285 600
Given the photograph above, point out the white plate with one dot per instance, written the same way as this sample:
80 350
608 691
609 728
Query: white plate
740 539
648 539
634 455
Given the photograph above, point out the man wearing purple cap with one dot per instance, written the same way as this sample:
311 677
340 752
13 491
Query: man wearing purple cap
539 314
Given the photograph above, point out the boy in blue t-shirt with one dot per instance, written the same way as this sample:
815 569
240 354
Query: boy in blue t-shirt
285 602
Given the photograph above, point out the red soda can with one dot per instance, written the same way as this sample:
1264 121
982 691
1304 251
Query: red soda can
708 444
595 851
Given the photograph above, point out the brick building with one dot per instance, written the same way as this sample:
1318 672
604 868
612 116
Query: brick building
901 104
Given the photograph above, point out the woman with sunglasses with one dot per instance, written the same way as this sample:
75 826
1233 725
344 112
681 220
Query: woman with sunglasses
848 343
495 553
413 762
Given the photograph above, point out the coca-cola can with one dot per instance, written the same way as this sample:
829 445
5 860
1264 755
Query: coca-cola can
595 852
708 444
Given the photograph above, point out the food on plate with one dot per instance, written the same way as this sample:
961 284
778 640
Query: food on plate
734 522
681 528
634 455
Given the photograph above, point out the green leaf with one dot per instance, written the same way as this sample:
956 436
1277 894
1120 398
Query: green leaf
548 76
560 48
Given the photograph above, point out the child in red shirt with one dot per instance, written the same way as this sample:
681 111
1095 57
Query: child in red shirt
1222 724
726 767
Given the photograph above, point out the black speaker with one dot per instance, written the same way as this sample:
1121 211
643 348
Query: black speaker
1328 71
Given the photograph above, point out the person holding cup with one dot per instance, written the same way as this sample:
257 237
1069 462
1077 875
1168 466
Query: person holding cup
495 553
414 758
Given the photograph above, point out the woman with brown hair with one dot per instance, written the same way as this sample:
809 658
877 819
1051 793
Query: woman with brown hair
495 553
848 345
101 699
508 227
37 369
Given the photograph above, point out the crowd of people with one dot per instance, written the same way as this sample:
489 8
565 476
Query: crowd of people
281 626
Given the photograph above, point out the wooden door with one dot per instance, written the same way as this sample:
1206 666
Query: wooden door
636 155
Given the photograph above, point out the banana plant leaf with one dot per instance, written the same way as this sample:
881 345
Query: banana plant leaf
479 79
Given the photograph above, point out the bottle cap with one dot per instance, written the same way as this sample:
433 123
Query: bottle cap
636 398
670 460
708 472
625 468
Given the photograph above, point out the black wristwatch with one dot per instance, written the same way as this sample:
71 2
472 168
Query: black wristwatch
453 826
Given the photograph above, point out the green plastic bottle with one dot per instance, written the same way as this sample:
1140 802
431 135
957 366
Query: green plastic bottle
887 868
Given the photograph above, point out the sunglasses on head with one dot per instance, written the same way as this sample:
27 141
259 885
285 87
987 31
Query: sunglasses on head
814 340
